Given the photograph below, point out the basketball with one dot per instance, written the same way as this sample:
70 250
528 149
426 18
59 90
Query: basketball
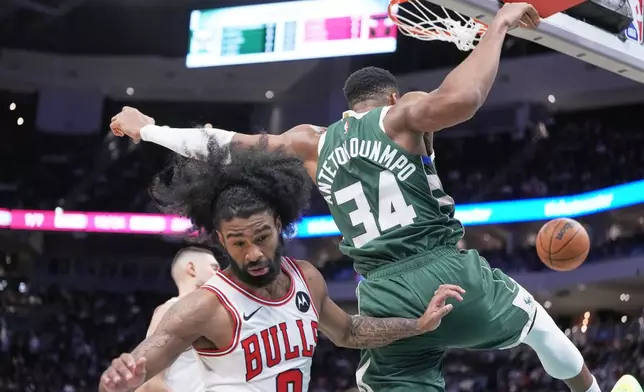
562 244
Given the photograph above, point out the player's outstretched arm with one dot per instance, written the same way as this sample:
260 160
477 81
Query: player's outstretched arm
465 89
301 140
182 324
156 383
368 332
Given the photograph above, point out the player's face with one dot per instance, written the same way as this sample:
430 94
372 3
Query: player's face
204 269
254 245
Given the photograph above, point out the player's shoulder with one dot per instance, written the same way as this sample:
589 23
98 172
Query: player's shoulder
305 267
414 95
159 313
165 306
312 276
395 118
303 139
406 101
197 310
201 304
308 271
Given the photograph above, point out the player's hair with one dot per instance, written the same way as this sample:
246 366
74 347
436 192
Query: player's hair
186 249
370 83
235 182
177 263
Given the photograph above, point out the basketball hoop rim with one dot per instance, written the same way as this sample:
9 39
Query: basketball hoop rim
425 32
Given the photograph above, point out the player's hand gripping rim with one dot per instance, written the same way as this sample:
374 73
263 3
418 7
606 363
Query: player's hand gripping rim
438 306
519 15
124 374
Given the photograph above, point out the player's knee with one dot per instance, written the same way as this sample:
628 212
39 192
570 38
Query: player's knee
558 355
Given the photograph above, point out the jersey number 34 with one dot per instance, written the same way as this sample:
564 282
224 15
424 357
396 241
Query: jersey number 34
392 209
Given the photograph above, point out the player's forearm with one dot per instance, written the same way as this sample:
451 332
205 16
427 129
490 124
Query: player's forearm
189 142
474 77
160 350
193 142
369 332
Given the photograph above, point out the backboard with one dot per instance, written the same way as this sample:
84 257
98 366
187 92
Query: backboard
568 35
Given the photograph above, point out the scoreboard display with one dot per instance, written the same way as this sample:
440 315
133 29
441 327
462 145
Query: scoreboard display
296 30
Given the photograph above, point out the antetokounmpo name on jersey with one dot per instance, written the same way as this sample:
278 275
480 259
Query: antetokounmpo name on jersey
272 346
389 157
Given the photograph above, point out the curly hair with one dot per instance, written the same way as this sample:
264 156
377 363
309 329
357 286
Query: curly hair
234 182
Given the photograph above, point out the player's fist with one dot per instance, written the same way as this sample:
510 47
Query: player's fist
518 14
438 308
129 122
123 375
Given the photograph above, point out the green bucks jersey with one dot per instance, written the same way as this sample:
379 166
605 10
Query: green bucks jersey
388 204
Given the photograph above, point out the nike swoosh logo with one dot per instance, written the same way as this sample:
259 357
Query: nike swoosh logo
246 318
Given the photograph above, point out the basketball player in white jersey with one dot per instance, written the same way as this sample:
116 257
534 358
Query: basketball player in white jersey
191 268
255 324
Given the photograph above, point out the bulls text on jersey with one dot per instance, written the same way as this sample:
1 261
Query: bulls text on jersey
272 345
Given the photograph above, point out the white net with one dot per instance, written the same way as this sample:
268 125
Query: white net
416 19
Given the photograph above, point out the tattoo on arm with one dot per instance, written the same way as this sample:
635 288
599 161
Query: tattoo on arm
370 332
163 347
355 331
158 340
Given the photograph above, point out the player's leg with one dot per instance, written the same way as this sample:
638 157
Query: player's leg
404 289
508 315
413 364
521 319
392 369
558 355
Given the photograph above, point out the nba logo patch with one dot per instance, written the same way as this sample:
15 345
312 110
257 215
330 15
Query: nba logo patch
634 31
346 126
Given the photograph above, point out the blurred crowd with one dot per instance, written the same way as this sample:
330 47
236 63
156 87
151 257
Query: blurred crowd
59 341
576 153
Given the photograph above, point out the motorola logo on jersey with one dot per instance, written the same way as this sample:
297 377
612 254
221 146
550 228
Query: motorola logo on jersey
302 301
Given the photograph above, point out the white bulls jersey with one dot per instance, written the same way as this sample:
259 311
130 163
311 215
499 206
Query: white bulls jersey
273 342
184 375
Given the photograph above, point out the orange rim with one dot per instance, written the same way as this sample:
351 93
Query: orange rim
427 32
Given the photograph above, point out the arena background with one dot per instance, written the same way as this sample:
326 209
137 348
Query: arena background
80 275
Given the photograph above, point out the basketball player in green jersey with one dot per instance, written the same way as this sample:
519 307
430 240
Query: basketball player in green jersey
375 169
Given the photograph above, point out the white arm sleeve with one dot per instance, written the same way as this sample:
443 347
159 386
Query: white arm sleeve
189 142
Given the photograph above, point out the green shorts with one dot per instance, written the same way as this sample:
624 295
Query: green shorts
496 313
